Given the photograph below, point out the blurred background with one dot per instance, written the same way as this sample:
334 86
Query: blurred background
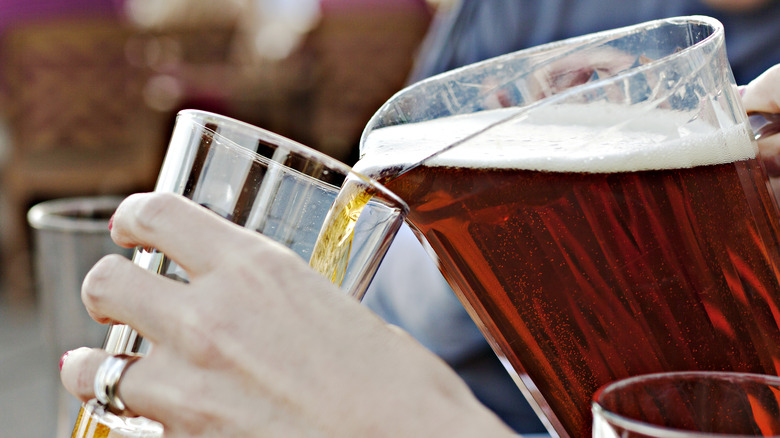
88 93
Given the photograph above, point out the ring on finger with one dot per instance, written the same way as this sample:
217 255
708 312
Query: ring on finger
107 379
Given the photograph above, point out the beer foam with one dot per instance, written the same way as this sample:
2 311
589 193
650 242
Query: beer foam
591 138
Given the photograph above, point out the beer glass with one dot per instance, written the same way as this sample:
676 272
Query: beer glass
267 183
597 206
689 404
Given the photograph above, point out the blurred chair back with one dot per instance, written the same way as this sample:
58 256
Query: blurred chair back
77 124
364 51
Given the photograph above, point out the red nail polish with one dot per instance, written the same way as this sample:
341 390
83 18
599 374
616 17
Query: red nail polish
111 222
62 359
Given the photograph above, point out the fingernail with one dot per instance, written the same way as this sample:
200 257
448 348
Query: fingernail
111 222
741 90
62 359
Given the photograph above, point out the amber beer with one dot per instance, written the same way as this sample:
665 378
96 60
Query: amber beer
599 272
93 422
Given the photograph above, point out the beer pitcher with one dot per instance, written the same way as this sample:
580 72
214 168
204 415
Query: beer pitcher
597 206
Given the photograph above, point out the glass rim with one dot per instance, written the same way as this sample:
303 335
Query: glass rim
717 32
59 214
717 35
306 151
649 429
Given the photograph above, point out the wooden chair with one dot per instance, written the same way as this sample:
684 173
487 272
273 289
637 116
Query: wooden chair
77 125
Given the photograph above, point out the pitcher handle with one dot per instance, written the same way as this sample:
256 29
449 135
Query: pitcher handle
764 124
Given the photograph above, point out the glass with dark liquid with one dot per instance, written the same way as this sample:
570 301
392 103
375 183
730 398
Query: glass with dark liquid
597 206
689 404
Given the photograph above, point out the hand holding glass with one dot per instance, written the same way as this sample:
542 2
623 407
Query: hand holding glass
267 183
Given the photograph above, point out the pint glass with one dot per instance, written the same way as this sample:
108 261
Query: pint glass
267 183
689 404
597 206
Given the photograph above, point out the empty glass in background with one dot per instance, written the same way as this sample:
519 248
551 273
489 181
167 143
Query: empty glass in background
689 405
70 235
264 182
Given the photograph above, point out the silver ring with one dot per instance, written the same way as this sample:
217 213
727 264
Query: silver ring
107 378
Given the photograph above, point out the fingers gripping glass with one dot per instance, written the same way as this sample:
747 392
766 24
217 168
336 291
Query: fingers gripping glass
266 183
597 205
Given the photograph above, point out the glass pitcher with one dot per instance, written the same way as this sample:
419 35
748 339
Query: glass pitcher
597 206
